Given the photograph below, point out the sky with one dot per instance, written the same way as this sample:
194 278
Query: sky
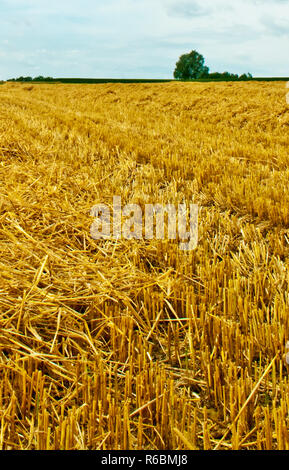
141 38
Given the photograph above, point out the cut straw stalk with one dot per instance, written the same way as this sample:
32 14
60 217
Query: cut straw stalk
267 370
62 151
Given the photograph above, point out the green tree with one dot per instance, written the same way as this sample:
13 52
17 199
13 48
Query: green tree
246 76
190 66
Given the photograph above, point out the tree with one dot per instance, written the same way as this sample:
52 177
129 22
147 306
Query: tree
246 76
190 66
225 76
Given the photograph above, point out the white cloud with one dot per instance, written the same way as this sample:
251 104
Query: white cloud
141 38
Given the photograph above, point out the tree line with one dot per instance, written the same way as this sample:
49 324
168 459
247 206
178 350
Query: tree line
40 78
192 66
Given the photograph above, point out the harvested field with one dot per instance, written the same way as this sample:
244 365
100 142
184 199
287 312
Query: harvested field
135 344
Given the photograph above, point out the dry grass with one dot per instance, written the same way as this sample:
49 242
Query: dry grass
135 344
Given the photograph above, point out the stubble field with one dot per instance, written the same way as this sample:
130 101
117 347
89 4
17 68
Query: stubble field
135 344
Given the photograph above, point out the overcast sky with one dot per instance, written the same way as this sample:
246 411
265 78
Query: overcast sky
141 38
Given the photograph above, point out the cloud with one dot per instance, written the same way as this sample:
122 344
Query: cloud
185 9
141 38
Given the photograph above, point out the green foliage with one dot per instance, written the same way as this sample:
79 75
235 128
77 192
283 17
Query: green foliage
30 79
40 78
43 79
245 76
191 66
224 76
210 77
